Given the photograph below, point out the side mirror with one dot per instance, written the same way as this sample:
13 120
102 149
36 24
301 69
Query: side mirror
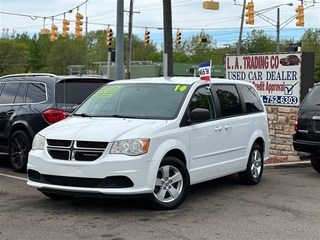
199 115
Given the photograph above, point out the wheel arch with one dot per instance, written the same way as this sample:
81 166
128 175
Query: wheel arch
177 153
257 137
168 148
172 148
21 125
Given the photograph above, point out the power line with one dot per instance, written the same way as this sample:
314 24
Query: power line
34 17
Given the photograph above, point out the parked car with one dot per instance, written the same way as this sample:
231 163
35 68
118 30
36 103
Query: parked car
31 102
306 135
154 138
290 60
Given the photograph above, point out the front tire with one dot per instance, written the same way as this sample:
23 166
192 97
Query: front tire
315 162
19 147
253 173
172 185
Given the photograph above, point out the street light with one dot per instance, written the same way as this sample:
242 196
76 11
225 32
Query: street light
260 14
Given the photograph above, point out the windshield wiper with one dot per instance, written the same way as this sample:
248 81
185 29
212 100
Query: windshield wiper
122 116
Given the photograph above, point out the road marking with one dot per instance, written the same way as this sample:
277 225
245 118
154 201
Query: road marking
11 176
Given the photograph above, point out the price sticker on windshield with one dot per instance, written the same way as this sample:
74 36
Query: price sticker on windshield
180 88
106 92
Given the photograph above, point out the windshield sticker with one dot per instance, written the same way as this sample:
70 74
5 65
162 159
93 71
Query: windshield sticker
180 88
106 92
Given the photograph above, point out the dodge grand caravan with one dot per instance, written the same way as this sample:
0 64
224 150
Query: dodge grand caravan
153 138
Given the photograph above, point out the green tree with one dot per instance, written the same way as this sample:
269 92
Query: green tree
66 52
191 50
14 57
7 35
311 42
257 41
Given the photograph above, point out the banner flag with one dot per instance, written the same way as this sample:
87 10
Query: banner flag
205 70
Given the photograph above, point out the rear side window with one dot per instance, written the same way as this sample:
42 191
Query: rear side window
74 92
229 99
10 93
21 93
251 99
36 93
312 100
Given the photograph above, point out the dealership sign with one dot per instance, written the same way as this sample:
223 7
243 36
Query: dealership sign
276 76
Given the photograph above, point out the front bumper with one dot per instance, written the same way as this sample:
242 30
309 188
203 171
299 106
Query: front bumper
109 175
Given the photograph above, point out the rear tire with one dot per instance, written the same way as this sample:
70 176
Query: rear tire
253 173
19 147
172 185
315 162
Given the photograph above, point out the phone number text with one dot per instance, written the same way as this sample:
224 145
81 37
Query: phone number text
286 100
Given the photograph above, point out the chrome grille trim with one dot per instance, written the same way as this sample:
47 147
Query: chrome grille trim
75 150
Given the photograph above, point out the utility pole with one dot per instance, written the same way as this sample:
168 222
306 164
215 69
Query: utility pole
241 28
86 39
129 47
167 30
128 65
119 41
278 30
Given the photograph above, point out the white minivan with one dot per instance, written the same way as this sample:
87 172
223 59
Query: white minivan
153 138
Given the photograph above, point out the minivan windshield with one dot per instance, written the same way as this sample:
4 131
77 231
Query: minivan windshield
145 100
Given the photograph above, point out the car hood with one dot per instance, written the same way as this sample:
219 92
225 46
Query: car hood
100 129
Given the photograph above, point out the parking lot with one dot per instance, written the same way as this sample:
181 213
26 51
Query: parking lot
284 205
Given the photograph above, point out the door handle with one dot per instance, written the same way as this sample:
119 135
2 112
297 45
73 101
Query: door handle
227 127
218 128
10 112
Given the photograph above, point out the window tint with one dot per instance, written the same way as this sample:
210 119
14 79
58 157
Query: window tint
251 98
229 99
36 93
9 93
75 92
202 98
312 100
21 93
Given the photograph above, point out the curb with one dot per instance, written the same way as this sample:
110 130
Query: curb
300 164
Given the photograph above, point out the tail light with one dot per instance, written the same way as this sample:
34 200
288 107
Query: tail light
295 126
54 115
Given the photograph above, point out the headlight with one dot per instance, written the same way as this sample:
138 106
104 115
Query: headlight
132 147
38 142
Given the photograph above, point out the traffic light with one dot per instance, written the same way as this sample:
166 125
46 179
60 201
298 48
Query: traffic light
65 28
79 23
178 37
109 37
202 40
146 36
300 16
54 33
249 13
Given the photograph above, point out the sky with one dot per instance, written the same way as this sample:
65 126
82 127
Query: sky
188 16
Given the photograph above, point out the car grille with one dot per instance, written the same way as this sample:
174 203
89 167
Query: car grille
75 150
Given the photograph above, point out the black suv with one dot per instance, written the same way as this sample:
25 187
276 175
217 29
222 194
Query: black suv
31 102
306 136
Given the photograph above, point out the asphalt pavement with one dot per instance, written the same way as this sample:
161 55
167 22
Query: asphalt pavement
299 164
